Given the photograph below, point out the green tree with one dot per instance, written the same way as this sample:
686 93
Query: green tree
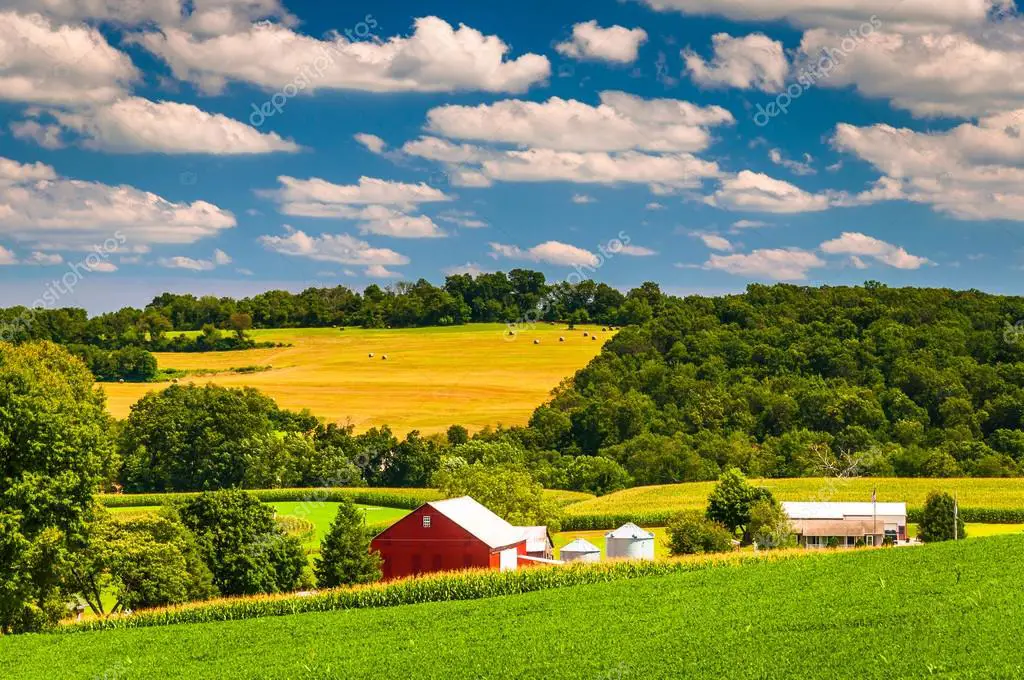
596 475
457 435
511 493
54 445
345 557
691 533
937 519
769 525
241 544
731 499
240 322
145 561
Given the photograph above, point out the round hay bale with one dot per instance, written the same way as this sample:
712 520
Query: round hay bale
371 355
121 381
536 342
384 357
593 337
605 328
511 332
175 381
561 339
585 334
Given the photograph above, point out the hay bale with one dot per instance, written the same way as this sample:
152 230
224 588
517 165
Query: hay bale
585 334
561 339
536 342
121 381
384 357
593 337
604 328
371 355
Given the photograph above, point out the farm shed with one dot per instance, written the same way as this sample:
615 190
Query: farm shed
815 523
458 533
630 541
580 550
538 542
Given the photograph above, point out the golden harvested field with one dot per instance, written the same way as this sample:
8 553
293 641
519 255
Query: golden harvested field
971 493
471 375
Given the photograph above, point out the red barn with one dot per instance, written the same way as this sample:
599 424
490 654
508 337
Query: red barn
458 533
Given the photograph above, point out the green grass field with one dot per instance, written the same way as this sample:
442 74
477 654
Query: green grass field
943 610
473 375
983 493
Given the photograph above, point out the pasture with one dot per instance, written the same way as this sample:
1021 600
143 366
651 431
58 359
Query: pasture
971 493
474 375
836 614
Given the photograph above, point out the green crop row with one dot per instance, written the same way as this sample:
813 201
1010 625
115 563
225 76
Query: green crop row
406 499
299 527
439 587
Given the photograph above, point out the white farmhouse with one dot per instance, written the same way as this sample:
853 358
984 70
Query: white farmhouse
580 550
815 523
631 542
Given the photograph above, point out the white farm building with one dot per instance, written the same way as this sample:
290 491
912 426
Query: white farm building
848 523
580 550
631 542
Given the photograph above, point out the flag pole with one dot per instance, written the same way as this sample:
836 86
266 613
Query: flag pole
874 513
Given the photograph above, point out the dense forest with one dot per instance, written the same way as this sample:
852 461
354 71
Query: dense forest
791 381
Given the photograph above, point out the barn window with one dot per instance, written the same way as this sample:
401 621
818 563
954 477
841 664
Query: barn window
426 521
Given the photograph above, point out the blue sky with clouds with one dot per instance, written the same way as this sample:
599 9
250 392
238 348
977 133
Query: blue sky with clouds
230 146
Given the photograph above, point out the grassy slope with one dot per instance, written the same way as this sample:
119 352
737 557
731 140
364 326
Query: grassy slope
974 493
940 609
434 377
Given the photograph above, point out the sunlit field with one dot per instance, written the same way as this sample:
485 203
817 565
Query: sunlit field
475 375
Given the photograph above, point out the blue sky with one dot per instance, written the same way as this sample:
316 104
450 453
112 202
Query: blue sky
231 146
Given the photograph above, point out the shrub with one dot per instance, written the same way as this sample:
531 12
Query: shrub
690 533
938 519
770 526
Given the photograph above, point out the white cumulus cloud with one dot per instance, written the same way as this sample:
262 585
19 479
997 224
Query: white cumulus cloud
615 44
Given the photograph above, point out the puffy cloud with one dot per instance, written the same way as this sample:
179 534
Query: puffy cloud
615 44
463 218
44 259
549 252
582 199
372 142
442 150
379 271
40 208
471 268
340 248
713 241
757 192
837 13
435 58
861 245
928 74
46 136
654 205
219 259
620 122
754 61
748 224
544 165
380 206
633 251
137 125
970 172
7 257
46 63
780 264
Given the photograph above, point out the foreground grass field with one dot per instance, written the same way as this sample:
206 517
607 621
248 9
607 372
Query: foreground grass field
971 493
473 375
937 610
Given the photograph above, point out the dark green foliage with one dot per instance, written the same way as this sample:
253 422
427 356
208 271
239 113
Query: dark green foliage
54 446
939 522
911 382
197 438
731 501
408 499
691 533
597 475
508 492
769 525
131 364
240 543
345 558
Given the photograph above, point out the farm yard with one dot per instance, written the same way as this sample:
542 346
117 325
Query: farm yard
857 605
647 504
474 375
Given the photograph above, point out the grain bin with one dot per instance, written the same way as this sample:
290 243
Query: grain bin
580 550
631 542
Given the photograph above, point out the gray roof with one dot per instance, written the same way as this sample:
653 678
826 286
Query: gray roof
580 545
814 510
479 521
630 530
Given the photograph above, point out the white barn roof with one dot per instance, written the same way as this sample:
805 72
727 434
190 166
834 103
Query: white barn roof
536 538
580 545
630 530
479 521
804 510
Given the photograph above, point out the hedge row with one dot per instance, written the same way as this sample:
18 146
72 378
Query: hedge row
439 587
406 499
659 519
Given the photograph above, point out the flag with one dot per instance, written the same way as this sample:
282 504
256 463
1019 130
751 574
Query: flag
874 495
